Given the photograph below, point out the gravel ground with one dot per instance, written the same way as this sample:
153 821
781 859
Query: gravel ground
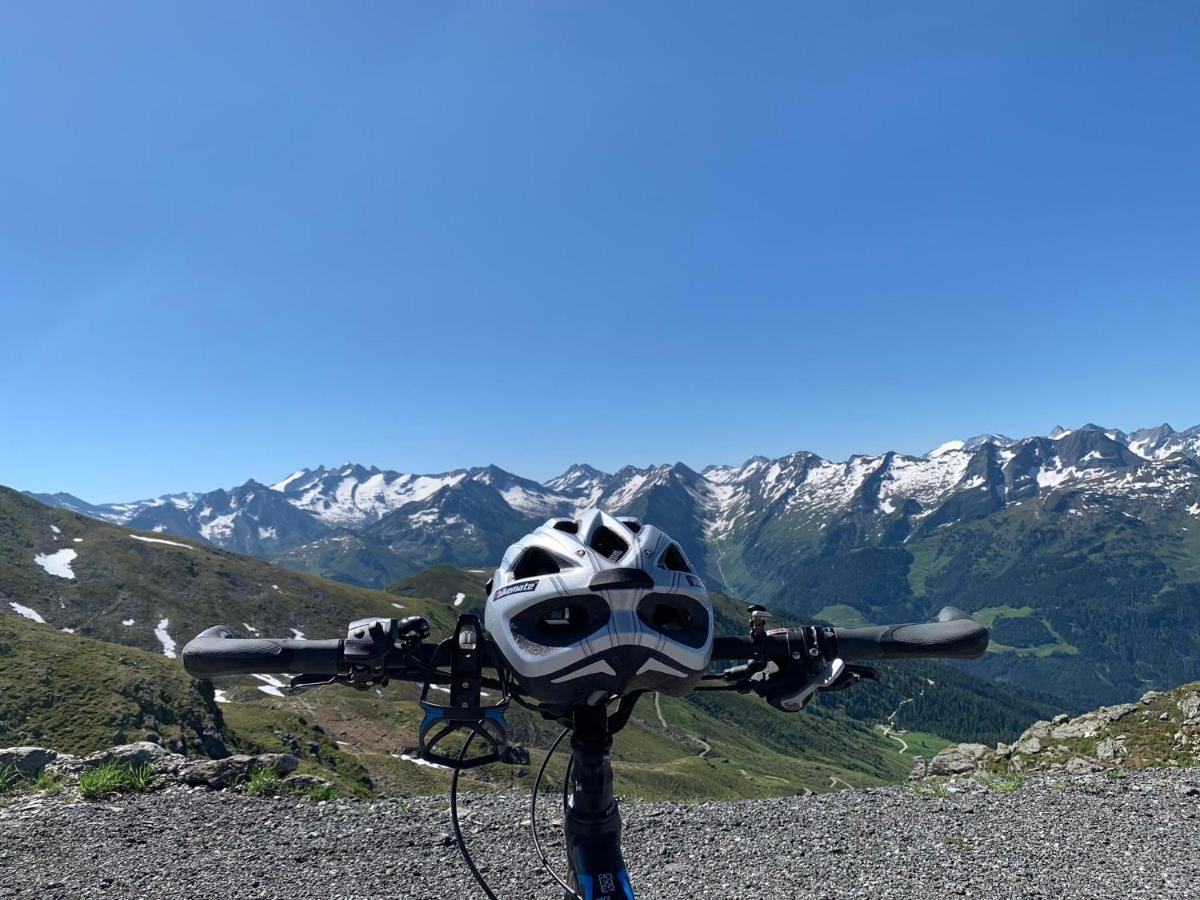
1079 837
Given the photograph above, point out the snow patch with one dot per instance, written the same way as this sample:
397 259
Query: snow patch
150 540
68 630
164 638
297 634
57 563
281 486
220 696
127 622
28 613
418 761
459 598
56 529
272 686
948 447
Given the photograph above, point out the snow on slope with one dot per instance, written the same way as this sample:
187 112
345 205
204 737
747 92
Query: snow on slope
57 563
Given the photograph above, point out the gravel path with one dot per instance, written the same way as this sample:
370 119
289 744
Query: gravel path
1080 837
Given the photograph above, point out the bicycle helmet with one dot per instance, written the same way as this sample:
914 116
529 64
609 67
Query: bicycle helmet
588 608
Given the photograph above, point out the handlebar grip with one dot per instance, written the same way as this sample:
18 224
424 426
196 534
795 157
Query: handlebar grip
954 635
216 651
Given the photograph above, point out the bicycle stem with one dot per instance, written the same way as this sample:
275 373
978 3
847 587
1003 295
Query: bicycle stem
592 819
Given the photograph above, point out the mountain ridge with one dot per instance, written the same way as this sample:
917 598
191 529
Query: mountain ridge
1081 548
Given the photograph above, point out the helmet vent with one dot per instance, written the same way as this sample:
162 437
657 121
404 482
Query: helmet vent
534 562
632 524
567 525
606 542
673 560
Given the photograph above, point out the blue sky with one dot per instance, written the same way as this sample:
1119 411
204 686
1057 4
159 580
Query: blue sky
238 239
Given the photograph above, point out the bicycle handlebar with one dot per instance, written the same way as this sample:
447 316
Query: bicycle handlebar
216 651
954 635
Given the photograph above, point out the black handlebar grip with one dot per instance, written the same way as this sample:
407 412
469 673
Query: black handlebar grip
954 635
215 651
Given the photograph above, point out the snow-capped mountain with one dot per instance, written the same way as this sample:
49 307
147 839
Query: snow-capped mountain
1081 549
728 517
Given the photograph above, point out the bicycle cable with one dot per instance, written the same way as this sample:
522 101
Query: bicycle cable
458 836
537 783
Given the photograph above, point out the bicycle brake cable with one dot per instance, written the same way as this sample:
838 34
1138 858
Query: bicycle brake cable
458 836
537 783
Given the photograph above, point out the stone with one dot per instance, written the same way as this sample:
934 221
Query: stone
1109 750
920 769
1190 707
958 759
1150 696
141 753
1029 747
1118 712
304 782
1061 718
232 770
29 761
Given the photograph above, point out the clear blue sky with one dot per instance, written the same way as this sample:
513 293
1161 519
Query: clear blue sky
241 238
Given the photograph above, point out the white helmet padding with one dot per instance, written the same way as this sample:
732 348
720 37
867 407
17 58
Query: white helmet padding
587 608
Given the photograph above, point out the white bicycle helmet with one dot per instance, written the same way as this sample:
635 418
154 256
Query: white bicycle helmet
588 608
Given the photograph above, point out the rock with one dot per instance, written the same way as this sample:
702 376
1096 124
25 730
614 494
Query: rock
232 770
304 782
1110 750
1150 696
140 753
958 759
1061 718
920 769
1029 747
1085 726
29 761
1077 765
1039 730
1003 750
1118 712
1164 716
1190 707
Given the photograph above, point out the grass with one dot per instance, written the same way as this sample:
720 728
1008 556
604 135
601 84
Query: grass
928 789
115 778
48 784
10 778
1000 783
264 783
267 783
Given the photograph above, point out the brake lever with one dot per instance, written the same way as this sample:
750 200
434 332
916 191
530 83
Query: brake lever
851 675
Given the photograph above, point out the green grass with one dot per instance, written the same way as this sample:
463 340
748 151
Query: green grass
322 792
10 779
958 842
264 783
115 778
1001 783
267 783
48 784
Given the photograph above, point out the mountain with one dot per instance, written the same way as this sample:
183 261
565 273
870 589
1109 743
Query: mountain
1081 548
100 611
